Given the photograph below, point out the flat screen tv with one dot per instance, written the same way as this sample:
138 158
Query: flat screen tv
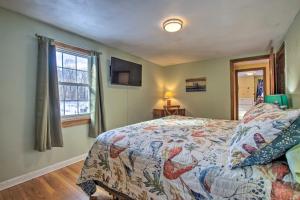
123 72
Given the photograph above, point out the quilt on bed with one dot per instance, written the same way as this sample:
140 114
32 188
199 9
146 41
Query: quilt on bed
179 158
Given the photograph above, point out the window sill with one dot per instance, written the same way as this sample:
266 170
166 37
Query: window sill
76 121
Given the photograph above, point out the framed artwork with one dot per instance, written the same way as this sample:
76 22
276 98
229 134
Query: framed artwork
195 85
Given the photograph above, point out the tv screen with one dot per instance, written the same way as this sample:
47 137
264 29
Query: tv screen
123 72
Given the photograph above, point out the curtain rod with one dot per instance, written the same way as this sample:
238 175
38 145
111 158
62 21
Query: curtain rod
64 45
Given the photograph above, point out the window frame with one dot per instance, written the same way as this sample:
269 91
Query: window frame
78 119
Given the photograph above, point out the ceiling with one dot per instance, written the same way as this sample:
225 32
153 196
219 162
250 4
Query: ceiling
212 28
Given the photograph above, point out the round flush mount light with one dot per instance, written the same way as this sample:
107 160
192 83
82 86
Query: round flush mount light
172 25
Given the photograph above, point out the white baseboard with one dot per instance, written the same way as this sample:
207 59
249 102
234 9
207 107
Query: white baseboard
31 175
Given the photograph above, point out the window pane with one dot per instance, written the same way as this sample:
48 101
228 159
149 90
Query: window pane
73 69
71 107
69 75
61 92
82 63
59 74
82 77
62 108
69 61
84 107
83 93
58 59
70 92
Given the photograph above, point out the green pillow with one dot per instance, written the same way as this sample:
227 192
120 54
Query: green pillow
293 158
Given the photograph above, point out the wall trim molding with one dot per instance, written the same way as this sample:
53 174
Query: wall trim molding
34 174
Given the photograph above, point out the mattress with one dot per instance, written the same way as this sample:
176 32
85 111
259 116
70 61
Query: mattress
179 158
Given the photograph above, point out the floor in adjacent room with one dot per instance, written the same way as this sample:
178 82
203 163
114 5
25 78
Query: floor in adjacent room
57 185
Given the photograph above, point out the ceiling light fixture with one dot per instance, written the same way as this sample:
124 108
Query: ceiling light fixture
172 25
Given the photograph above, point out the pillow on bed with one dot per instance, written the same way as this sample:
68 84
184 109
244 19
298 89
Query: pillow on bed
260 109
263 138
293 159
277 148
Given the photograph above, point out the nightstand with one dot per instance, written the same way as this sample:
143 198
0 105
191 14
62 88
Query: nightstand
168 110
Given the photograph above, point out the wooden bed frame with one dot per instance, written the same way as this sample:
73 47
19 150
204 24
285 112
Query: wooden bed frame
115 194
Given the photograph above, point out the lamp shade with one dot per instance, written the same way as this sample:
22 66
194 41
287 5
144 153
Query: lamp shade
280 99
168 95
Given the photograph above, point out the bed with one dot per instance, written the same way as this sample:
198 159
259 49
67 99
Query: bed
179 158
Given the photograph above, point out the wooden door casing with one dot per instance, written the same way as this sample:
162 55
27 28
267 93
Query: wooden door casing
280 71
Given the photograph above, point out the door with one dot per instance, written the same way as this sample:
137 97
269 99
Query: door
280 71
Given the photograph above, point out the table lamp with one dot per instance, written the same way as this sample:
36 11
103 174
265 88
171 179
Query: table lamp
279 99
168 95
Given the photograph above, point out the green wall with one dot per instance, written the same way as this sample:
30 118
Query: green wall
215 102
292 56
18 53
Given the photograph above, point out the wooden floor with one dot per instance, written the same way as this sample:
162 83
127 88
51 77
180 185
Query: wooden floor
60 185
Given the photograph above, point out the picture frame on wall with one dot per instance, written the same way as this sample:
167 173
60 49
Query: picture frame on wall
195 85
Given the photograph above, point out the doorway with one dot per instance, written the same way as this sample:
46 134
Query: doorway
250 82
250 89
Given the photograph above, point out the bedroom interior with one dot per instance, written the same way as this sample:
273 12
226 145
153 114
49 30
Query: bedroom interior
150 100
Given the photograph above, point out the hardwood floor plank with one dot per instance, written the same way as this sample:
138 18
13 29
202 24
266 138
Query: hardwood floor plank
76 167
70 184
57 185
13 193
32 191
63 191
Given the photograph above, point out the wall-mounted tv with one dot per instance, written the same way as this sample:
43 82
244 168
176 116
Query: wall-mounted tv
123 72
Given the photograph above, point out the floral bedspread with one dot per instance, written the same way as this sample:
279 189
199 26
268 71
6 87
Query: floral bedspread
179 158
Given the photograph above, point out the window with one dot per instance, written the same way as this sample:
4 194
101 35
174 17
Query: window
73 78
